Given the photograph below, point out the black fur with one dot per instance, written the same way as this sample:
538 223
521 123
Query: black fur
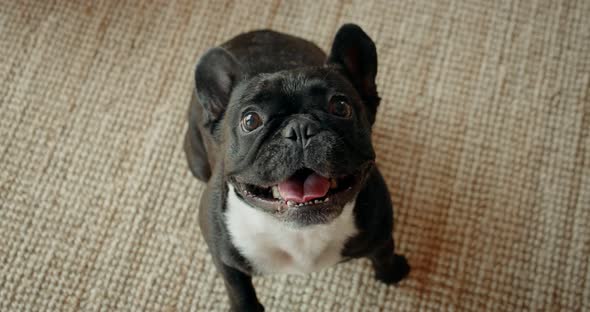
288 81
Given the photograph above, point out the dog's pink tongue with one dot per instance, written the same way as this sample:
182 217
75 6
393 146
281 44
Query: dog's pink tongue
302 190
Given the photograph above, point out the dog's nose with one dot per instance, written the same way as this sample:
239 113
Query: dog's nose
300 131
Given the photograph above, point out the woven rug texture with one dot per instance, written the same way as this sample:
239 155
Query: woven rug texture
483 137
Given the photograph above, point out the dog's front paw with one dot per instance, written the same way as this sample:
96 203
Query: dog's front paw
248 308
395 272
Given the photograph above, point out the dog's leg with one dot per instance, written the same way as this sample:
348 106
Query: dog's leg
390 268
242 295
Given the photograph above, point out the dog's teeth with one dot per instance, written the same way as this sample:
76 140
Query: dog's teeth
290 203
275 192
326 200
333 183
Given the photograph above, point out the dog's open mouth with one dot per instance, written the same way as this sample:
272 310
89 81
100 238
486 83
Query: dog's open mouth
305 188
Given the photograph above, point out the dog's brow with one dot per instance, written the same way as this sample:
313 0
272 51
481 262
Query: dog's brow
261 96
265 90
316 87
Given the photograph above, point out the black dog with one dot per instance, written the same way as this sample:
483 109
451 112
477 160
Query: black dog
282 134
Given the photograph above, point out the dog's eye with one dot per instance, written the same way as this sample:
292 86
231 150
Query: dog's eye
340 107
251 121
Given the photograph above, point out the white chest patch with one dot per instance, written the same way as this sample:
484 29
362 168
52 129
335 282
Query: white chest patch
272 246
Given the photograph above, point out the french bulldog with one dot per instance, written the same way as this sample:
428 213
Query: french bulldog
281 133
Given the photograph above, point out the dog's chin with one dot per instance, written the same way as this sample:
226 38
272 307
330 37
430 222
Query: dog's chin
322 210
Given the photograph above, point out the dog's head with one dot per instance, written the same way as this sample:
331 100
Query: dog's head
294 143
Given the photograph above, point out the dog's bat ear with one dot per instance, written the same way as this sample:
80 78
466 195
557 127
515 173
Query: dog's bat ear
216 75
355 52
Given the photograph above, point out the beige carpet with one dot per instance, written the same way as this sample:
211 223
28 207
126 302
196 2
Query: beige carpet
483 137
